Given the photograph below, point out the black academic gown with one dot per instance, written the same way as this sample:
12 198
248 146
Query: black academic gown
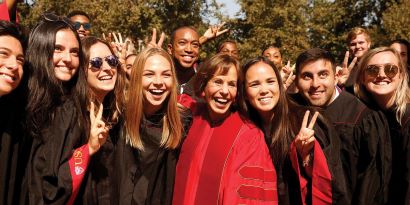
49 177
399 188
14 152
365 148
146 177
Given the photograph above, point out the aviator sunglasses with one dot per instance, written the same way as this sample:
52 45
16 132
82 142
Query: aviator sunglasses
86 26
390 70
97 62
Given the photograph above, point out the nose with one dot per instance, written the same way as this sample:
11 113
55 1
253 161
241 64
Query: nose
263 89
81 28
224 89
188 48
11 63
66 57
157 81
105 66
315 82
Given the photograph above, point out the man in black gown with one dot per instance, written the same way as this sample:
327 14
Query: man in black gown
364 134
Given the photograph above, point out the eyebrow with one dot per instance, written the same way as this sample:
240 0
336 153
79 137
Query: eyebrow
10 50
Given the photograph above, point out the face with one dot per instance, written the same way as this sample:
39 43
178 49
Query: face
359 46
316 82
65 58
219 94
81 20
185 48
402 50
381 85
157 82
231 49
273 54
11 64
129 62
262 88
101 80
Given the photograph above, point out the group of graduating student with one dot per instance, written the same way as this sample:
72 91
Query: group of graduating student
76 128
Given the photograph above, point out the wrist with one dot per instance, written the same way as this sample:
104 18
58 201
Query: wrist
308 160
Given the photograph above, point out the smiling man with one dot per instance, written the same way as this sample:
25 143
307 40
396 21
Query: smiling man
184 48
81 22
363 133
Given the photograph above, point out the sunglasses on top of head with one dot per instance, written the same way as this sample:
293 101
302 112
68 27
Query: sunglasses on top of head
390 70
97 62
51 17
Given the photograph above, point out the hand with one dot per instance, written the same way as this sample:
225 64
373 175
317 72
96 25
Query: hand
288 82
153 43
287 75
213 32
343 72
98 130
305 139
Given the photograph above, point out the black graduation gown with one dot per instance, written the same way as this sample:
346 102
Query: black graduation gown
146 177
365 148
287 179
399 188
14 152
49 177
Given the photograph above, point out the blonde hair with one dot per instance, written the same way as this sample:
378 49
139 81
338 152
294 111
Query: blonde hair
357 31
172 125
401 95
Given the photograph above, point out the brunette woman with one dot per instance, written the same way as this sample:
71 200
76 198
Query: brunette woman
224 159
382 83
146 156
302 154
63 136
106 81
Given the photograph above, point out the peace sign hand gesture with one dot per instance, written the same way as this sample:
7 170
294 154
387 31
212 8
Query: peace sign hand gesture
213 32
305 139
343 72
98 130
153 43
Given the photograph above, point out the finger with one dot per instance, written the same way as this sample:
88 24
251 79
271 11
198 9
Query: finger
305 119
288 64
345 60
290 79
120 37
110 37
154 36
115 37
161 40
92 115
313 120
222 24
100 112
223 31
104 36
352 63
124 50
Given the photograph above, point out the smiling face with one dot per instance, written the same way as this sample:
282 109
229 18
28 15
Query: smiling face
273 54
381 86
185 48
316 82
219 94
157 82
359 46
11 64
262 88
81 20
230 49
65 57
101 80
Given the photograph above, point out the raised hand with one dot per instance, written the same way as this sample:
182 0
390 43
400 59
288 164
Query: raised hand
153 43
305 139
213 32
343 72
98 130
287 75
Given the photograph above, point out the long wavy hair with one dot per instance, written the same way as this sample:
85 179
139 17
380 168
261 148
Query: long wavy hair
401 95
172 124
114 100
46 92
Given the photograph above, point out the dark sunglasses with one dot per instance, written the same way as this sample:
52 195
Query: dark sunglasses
390 70
54 18
86 26
97 62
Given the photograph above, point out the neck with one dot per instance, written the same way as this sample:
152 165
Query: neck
184 74
384 102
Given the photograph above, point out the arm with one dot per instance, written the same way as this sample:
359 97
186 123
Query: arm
212 32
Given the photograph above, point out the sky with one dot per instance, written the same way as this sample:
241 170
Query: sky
231 7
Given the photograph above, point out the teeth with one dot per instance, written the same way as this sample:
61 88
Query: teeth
7 76
223 101
187 58
265 100
157 91
381 83
106 77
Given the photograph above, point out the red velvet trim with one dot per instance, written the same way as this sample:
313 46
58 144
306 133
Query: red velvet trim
257 193
4 11
78 166
321 177
187 101
257 173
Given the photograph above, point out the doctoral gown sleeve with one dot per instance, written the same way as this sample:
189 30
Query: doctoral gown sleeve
250 176
49 175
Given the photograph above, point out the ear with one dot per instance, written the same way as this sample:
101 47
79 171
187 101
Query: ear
169 49
369 45
203 94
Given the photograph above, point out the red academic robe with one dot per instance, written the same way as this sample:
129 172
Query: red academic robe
228 163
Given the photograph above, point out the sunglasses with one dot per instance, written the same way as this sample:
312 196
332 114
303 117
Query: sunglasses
86 26
54 18
390 70
112 61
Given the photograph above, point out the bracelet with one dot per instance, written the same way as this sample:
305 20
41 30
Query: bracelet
309 161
